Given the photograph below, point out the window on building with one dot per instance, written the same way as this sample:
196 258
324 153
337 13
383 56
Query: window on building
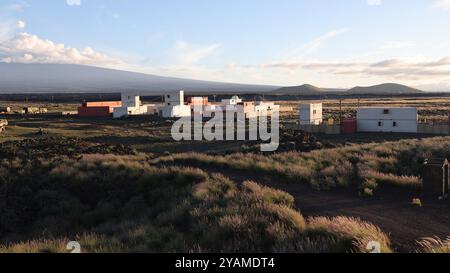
394 124
315 112
168 96
168 104
386 111
380 124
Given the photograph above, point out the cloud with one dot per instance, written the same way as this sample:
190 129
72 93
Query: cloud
396 68
7 29
373 2
185 54
73 2
27 48
442 4
348 73
20 24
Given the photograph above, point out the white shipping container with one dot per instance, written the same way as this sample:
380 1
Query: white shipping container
387 119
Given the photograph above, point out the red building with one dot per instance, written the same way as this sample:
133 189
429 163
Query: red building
98 109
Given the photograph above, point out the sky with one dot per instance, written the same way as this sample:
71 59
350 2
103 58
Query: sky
327 43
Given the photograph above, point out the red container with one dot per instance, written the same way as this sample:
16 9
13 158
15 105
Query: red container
103 103
349 126
100 111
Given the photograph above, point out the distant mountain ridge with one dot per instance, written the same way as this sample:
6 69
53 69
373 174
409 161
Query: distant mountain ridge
18 78
67 78
384 89
381 89
306 89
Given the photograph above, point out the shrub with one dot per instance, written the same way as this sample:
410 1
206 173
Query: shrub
411 182
351 230
269 195
434 245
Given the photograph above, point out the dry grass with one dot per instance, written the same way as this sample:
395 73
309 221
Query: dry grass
394 163
434 245
359 233
124 204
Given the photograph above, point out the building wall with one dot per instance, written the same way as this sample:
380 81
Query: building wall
433 129
321 129
176 111
100 111
311 114
400 120
174 98
130 100
198 101
103 103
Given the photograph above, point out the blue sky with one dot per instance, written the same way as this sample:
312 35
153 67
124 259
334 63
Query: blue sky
329 43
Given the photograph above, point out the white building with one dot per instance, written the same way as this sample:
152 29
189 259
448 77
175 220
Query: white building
233 101
311 114
390 119
174 106
131 106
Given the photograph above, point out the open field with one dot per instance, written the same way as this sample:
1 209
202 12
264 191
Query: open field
126 186
430 109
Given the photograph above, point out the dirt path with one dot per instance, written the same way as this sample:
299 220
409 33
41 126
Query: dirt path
390 210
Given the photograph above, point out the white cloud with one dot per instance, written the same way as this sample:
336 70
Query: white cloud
185 54
442 4
420 72
373 2
73 2
27 48
20 24
7 29
405 69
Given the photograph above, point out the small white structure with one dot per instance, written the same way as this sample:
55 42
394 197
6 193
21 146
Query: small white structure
233 101
174 106
264 108
311 114
389 119
131 106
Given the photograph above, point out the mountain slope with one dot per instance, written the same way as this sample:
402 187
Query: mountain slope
387 88
64 78
305 89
